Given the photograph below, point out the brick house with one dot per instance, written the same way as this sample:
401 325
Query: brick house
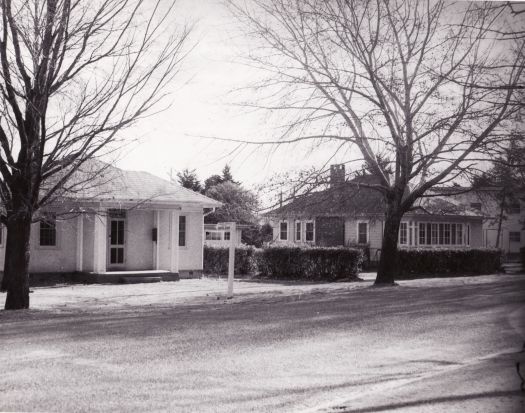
349 214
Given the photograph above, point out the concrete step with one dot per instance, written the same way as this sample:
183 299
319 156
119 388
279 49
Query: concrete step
139 280
512 267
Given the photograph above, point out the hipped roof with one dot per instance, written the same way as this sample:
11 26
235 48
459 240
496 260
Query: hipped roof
352 198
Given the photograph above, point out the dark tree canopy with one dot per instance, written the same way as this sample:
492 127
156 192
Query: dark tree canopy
189 179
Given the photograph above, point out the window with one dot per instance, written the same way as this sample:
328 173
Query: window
182 231
441 234
283 231
434 238
213 236
226 235
403 233
298 230
309 232
362 233
446 238
514 208
515 236
1 235
48 232
476 205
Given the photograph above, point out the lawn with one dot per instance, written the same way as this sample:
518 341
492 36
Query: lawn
426 345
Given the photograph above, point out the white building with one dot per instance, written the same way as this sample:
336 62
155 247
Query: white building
127 223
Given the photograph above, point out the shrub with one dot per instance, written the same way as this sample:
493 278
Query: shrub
313 264
449 261
216 260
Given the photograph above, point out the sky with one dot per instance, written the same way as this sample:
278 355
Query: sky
205 102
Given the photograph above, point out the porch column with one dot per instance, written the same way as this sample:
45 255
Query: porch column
156 251
80 242
100 242
174 252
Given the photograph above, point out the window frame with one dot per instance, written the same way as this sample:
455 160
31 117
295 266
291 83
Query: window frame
47 219
403 226
367 235
306 223
518 240
456 233
183 231
281 223
298 226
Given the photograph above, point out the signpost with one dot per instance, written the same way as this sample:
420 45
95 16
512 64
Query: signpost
232 228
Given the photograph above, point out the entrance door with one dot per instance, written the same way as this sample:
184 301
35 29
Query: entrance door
117 239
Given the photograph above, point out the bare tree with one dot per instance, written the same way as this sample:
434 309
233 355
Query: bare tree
74 73
421 89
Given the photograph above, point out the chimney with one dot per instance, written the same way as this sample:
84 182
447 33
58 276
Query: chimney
337 175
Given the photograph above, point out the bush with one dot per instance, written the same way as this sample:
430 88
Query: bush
287 262
216 260
313 264
448 261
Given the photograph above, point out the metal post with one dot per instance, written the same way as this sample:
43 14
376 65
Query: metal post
231 258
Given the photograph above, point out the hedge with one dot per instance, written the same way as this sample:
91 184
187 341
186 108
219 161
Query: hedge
449 261
216 260
286 262
312 264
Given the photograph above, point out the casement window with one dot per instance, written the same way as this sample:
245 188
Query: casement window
309 231
283 231
226 235
515 236
298 231
182 231
362 232
443 233
48 231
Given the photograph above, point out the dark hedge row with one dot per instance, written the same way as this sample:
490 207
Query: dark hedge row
216 260
284 262
314 264
447 261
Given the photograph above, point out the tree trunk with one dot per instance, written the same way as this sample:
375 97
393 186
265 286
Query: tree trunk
16 265
389 261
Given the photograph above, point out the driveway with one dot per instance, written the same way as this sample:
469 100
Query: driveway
427 345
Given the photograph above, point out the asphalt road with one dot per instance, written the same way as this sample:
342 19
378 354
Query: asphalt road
440 347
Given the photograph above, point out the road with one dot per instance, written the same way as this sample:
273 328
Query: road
438 346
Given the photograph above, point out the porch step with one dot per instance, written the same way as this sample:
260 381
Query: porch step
512 267
133 277
138 280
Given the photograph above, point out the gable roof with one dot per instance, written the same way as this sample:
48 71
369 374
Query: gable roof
353 199
101 182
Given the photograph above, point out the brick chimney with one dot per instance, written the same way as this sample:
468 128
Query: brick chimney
337 175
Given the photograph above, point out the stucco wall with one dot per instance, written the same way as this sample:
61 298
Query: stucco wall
138 240
190 256
139 246
61 258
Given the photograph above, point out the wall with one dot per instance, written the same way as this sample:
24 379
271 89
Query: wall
61 258
190 256
138 240
330 231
